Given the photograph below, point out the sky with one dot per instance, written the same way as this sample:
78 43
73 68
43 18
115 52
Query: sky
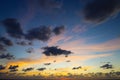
59 36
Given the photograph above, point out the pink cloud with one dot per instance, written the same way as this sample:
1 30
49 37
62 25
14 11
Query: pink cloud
55 39
80 47
79 28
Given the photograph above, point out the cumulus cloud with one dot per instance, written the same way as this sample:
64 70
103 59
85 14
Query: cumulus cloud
58 30
13 68
47 63
100 10
6 41
28 69
2 67
107 66
41 69
55 51
42 33
74 68
6 56
13 27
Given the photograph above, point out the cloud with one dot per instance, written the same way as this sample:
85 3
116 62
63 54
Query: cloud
42 33
2 48
55 51
47 63
68 61
13 68
24 43
107 66
80 47
54 40
79 28
2 67
100 10
58 30
28 69
41 69
30 50
6 41
6 56
50 4
74 68
13 27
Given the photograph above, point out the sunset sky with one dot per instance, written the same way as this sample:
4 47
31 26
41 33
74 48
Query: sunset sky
59 36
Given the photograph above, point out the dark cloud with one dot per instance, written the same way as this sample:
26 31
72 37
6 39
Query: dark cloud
24 43
13 27
13 68
6 56
2 48
100 10
6 41
28 69
42 33
41 69
2 67
47 63
55 51
50 4
30 50
79 67
54 61
59 30
107 66
68 61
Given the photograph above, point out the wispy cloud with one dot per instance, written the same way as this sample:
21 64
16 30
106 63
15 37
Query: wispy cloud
55 39
79 28
78 46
